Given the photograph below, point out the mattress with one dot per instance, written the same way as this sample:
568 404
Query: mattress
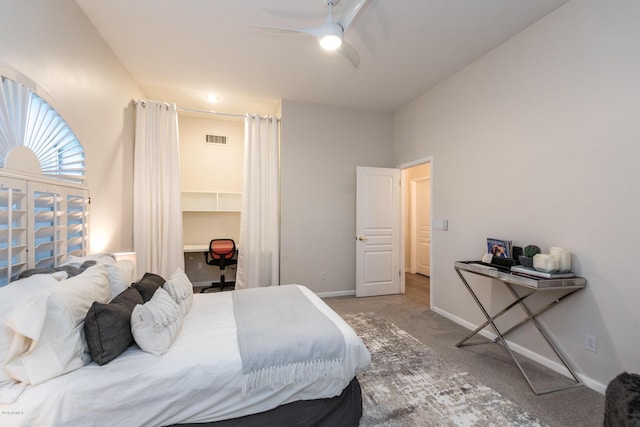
198 380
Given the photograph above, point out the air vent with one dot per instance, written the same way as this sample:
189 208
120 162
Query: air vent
216 139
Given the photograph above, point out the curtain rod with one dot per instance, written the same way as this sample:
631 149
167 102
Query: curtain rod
220 113
191 110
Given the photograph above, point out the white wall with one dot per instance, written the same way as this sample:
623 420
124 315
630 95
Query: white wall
53 44
320 149
538 142
211 167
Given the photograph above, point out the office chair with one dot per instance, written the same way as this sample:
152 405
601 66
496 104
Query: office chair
221 253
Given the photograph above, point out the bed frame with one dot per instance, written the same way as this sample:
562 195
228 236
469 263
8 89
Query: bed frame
344 410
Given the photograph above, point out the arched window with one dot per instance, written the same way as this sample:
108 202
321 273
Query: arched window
34 138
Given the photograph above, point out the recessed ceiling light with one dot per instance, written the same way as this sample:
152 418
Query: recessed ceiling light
212 99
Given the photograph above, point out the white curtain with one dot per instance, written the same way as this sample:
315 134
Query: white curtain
259 246
157 215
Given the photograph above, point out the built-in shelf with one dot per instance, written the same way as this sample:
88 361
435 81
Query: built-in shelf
41 223
208 201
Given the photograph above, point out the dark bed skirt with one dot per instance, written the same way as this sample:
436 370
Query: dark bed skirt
344 410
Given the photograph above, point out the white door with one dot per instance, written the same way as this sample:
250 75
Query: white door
423 227
377 231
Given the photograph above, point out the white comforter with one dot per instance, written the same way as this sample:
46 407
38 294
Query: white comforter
197 380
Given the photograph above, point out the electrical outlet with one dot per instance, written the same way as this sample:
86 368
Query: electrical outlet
441 224
590 343
323 275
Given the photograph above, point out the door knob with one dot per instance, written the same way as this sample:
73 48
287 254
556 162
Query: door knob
361 238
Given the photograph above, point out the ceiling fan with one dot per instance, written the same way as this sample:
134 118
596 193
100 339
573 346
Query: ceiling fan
330 35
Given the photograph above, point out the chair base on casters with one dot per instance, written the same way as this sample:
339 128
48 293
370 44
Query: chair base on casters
221 285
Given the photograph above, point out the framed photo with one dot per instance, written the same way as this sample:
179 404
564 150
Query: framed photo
499 248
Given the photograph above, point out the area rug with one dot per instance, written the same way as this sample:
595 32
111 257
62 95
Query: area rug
407 384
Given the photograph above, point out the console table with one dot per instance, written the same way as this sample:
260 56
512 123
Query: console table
528 285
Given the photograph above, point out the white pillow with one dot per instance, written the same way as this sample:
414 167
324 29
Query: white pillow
12 295
48 330
181 290
121 275
156 323
77 261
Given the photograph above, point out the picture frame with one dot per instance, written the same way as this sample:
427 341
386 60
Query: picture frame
499 248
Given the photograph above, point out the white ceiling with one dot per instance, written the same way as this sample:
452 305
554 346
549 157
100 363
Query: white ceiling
181 50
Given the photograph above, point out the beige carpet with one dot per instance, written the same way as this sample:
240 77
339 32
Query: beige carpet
408 385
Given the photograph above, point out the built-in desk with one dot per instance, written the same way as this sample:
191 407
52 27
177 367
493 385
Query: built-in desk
196 248
200 248
527 286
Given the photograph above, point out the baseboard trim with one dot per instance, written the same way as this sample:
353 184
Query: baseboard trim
551 364
336 294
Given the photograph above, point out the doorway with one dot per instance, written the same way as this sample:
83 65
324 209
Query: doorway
417 231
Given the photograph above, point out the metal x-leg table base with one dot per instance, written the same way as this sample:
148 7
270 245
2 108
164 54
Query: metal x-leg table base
530 317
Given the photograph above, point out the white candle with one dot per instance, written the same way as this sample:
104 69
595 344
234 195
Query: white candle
545 262
564 258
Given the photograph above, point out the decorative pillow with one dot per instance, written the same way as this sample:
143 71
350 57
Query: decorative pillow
48 330
70 270
181 290
121 275
107 327
155 324
148 285
14 295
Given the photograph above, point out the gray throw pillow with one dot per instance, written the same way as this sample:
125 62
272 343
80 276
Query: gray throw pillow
71 270
148 285
107 327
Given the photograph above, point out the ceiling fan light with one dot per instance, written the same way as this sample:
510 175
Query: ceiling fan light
330 42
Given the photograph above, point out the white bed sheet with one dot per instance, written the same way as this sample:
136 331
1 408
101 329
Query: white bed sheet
197 380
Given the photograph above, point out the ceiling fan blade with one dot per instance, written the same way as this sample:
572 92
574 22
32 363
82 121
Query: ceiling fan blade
349 11
350 53
313 31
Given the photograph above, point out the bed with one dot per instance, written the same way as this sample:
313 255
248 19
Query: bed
200 378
